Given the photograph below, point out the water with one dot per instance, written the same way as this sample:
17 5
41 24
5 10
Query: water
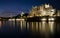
25 29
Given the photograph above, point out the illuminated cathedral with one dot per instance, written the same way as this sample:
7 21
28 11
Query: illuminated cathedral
42 10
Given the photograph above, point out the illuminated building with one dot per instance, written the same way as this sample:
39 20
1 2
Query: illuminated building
42 10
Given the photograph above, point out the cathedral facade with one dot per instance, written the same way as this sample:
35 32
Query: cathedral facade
42 10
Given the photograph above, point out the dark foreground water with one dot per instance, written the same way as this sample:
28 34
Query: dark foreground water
23 29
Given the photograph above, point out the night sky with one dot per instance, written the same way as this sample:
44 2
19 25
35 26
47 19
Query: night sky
14 7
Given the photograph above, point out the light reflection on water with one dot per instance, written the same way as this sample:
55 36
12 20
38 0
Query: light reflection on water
0 24
41 28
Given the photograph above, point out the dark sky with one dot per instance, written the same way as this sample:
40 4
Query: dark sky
12 7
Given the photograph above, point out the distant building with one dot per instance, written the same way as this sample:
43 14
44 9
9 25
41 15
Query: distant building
42 10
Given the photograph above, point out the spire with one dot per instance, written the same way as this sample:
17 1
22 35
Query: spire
47 5
22 13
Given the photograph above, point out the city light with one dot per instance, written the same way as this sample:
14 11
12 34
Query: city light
51 19
29 16
16 19
42 11
43 19
11 19
20 19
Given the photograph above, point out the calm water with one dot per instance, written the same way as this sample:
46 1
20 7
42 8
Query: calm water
25 29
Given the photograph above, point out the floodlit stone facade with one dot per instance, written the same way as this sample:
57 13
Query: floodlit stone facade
42 10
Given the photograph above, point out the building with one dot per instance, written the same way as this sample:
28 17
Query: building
42 10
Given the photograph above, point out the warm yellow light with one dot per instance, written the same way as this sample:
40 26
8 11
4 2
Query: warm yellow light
29 16
11 19
20 19
21 26
16 19
46 6
51 19
51 26
43 13
43 19
37 15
